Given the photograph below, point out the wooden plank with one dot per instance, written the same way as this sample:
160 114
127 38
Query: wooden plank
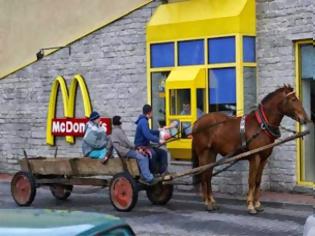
74 181
203 168
78 166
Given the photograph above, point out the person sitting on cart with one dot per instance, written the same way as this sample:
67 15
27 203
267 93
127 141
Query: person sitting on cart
125 148
96 144
144 135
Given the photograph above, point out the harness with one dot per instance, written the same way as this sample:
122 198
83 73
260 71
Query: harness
272 131
242 132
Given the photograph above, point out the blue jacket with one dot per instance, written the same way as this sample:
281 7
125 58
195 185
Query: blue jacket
143 134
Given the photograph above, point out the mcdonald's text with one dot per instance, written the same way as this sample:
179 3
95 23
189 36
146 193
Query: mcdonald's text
75 126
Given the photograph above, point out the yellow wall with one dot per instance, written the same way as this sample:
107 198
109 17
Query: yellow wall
27 26
201 19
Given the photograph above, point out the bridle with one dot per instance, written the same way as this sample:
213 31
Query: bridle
270 130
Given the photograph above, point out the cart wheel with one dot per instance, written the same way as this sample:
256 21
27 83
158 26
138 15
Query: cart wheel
61 191
123 192
23 188
160 194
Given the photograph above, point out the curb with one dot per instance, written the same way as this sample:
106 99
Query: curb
272 199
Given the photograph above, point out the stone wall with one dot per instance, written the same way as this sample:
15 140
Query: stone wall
279 23
113 62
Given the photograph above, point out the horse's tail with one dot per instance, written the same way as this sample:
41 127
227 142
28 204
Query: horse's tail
195 163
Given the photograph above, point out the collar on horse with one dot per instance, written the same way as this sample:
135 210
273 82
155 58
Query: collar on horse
271 130
264 125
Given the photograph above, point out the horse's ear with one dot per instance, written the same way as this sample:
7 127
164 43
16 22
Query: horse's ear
290 93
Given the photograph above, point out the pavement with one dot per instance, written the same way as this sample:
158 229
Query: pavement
185 215
276 198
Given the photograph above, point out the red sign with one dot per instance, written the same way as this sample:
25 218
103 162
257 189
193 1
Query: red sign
75 126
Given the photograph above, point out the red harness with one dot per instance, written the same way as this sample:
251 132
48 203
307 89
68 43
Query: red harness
263 122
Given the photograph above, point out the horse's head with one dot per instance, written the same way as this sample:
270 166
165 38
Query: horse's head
291 106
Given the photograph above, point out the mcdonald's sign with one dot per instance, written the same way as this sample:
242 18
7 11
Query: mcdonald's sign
69 126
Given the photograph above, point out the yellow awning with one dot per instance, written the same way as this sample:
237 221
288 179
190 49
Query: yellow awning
186 77
202 18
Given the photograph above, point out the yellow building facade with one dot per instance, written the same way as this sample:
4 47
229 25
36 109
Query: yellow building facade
200 59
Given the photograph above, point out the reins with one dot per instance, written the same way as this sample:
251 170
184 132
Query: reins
271 130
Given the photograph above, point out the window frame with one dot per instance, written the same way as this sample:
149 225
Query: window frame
298 81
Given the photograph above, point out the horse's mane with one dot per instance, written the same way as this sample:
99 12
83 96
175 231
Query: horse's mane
285 88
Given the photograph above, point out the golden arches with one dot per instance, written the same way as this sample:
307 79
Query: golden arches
68 100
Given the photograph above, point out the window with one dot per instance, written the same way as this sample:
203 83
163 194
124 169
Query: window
191 52
222 90
307 81
249 50
250 93
221 50
308 62
121 231
201 102
162 55
158 98
180 102
180 105
186 129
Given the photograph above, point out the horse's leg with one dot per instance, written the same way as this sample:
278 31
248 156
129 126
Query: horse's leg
207 157
212 158
253 168
204 176
257 203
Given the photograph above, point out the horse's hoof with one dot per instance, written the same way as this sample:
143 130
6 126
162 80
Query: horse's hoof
210 208
215 206
252 211
259 208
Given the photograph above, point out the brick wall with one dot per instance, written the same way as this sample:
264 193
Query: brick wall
279 22
113 63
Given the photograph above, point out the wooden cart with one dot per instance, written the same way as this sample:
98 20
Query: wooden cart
61 174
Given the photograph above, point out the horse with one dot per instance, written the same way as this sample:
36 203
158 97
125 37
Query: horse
217 133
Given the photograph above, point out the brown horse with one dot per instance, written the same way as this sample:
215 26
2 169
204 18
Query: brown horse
218 133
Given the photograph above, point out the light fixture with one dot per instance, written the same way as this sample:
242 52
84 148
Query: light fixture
40 54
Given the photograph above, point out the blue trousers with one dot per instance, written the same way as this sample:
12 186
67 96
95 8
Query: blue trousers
143 163
158 162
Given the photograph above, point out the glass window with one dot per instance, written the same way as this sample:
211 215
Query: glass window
122 231
186 129
180 101
221 50
191 52
250 92
308 61
222 90
308 99
201 98
308 143
158 98
162 55
249 50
